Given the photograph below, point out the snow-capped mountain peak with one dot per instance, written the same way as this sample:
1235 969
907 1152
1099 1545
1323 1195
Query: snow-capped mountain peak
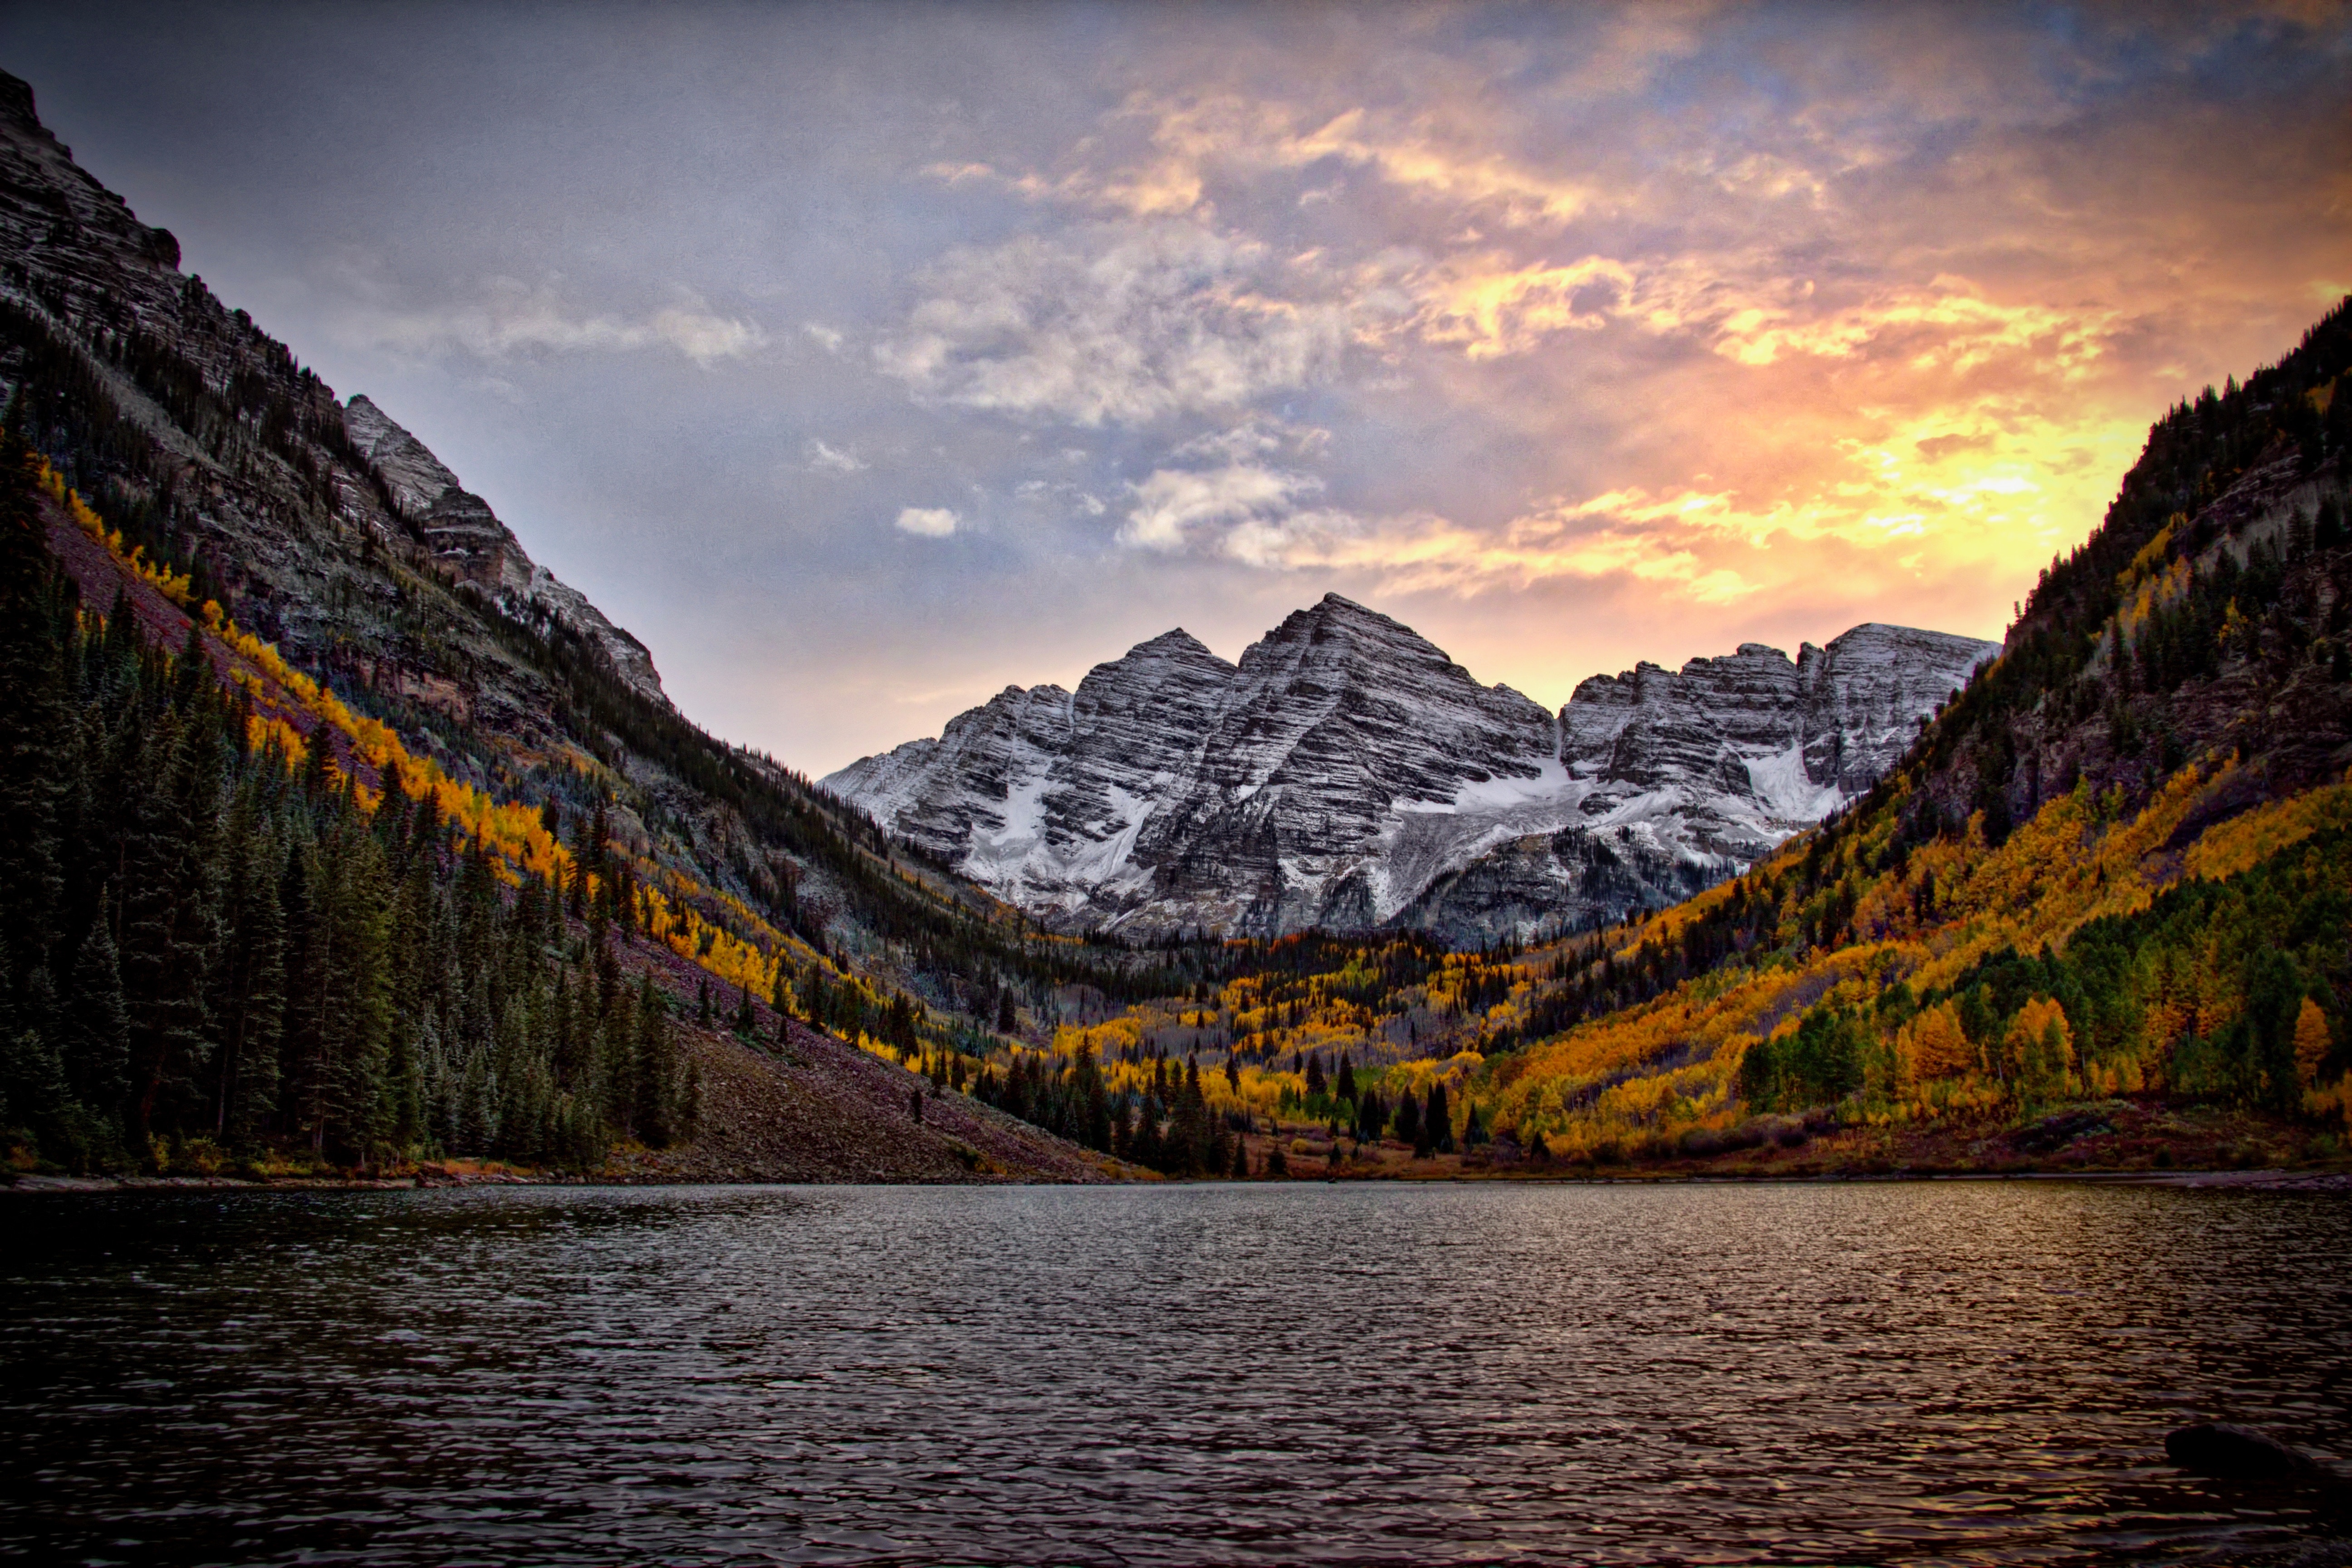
1347 773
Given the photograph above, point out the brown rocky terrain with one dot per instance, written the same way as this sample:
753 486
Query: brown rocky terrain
814 1110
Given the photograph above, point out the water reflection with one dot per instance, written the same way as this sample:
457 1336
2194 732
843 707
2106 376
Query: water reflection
1930 1372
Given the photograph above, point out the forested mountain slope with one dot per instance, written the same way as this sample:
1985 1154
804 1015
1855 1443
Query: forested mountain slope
334 822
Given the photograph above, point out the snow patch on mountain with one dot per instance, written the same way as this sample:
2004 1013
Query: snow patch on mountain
1347 774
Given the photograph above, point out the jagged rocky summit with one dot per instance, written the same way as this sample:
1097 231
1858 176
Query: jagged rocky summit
1347 774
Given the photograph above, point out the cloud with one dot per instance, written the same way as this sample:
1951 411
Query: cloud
1425 553
1255 437
700 335
1075 498
960 174
1176 507
1744 311
1491 308
1416 156
1946 326
1162 187
927 522
1193 138
515 320
1119 324
829 460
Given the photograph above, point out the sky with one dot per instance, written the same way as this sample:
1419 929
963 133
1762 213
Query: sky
864 359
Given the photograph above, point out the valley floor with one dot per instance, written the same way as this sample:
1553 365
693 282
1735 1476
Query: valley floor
820 1111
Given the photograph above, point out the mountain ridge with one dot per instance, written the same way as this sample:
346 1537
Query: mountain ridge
1344 767
467 539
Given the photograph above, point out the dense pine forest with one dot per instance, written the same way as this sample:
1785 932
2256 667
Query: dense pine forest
211 943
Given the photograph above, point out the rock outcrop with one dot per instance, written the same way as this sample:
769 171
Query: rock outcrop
2239 1453
1348 774
470 544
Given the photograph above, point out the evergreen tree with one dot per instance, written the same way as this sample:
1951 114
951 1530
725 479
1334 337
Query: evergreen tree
655 1110
1407 1121
339 1013
96 1040
170 916
33 1084
248 998
32 720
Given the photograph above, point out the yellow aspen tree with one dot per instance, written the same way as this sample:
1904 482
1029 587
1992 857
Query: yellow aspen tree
1933 1046
2310 1042
2040 1047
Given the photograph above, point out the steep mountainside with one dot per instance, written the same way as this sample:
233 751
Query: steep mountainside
413 715
1348 774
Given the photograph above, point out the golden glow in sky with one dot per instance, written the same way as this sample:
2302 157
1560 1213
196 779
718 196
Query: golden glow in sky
865 362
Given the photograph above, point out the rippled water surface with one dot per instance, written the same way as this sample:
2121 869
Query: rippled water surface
1870 1373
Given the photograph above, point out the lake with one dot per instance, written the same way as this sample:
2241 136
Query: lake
1863 1372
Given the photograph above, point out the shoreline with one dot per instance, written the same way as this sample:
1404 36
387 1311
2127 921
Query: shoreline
2277 1179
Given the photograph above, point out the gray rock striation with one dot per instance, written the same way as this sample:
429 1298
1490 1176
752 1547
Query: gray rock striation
1348 774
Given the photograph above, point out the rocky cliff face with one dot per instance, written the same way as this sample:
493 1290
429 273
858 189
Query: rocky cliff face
1347 774
468 543
1749 746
